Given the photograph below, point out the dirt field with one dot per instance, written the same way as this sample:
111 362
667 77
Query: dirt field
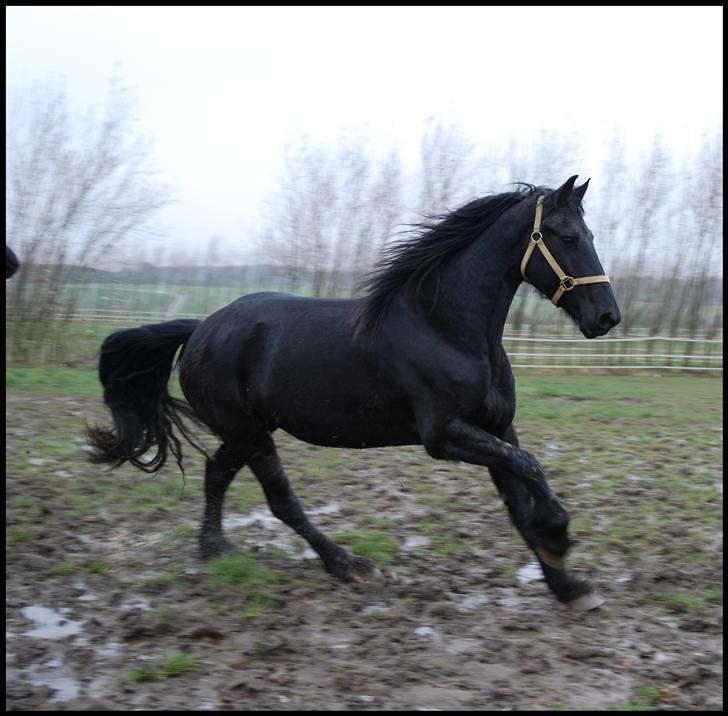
109 606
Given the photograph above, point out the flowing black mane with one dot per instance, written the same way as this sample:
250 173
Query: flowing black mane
405 264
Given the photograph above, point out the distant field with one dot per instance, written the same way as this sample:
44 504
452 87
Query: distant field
203 300
104 308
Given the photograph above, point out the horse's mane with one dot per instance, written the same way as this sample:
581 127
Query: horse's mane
406 263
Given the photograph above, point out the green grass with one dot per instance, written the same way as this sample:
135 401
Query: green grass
378 546
19 536
693 601
177 664
648 700
63 569
98 567
241 572
73 382
604 399
70 382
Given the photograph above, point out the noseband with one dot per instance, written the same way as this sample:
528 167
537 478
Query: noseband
566 283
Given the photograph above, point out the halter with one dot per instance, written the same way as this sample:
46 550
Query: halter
566 283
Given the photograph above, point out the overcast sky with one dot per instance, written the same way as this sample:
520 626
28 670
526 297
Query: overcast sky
221 90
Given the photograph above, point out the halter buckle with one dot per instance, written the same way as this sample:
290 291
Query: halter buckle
536 236
567 283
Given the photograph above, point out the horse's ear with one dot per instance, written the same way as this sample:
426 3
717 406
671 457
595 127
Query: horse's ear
581 190
564 191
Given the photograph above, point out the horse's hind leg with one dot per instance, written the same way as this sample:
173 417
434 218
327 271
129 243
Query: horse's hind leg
219 473
286 507
543 524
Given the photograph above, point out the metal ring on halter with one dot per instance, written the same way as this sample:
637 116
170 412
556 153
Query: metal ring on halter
567 283
534 234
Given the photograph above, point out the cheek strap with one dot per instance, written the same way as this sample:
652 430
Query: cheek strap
566 283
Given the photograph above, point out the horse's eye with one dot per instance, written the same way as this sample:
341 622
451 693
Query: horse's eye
568 238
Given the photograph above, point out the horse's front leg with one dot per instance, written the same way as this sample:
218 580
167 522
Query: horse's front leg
534 510
543 524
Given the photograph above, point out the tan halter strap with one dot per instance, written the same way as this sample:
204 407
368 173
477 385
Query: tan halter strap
566 283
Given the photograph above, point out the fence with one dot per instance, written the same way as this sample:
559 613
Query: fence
681 352
627 353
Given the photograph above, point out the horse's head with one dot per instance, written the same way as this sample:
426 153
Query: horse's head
561 262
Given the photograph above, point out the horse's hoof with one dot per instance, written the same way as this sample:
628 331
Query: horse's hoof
355 569
211 549
586 602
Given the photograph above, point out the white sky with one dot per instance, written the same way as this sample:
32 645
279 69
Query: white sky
221 90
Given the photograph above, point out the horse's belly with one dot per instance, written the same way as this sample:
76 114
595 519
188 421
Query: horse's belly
355 426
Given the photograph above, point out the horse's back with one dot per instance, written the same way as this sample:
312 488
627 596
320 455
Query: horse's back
292 362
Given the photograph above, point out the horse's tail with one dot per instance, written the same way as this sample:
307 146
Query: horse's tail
134 368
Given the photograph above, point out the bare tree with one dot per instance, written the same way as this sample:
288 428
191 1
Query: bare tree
292 238
75 195
446 168
650 194
705 206
329 212
383 211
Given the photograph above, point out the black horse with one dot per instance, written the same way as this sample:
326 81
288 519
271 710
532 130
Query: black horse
418 360
11 262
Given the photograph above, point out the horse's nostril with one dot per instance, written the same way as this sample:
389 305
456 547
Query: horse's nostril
608 320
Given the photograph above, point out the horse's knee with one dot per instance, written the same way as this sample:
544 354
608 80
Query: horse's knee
435 437
436 449
551 527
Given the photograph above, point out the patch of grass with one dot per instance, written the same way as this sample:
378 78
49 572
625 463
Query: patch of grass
219 608
687 602
176 664
243 573
275 551
181 534
378 546
19 536
616 397
649 698
98 567
159 579
144 675
82 503
62 569
324 461
442 541
157 492
243 496
77 382
21 501
179 663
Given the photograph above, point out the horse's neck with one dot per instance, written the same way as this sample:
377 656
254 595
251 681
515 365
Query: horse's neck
476 291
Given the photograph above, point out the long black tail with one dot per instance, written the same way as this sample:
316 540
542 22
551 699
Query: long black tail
134 368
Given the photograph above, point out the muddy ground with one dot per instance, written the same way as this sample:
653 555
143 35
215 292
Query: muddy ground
109 606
